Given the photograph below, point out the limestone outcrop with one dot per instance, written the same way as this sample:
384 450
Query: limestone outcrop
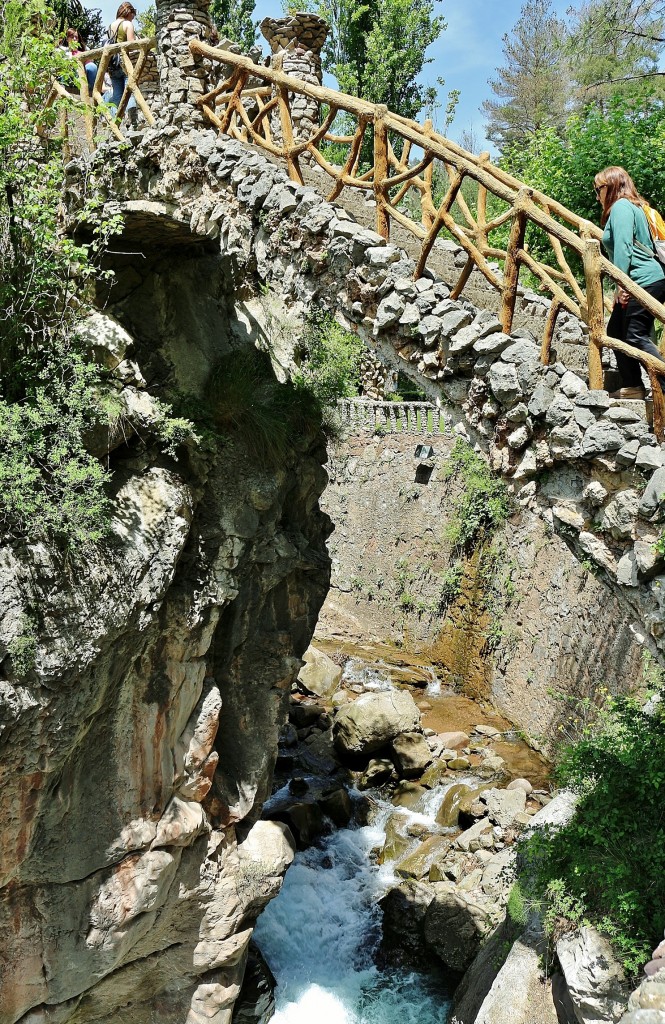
140 734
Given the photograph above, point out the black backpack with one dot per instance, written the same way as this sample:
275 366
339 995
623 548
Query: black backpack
115 63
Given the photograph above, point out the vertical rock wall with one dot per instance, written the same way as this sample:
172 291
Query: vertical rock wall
136 751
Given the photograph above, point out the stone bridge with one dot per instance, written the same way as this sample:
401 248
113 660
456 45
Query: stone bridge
588 464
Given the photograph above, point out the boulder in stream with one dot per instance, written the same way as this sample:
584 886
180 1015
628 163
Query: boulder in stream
504 805
411 754
448 813
404 909
373 720
319 675
455 926
417 864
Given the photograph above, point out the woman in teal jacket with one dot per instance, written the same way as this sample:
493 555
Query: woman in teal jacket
627 241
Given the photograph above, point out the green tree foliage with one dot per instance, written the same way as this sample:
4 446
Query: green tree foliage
146 22
234 20
73 14
531 88
607 866
377 49
614 48
330 363
563 163
49 484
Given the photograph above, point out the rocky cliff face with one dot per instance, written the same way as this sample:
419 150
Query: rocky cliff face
138 737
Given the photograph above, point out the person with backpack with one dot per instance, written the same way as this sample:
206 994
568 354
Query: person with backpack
628 242
120 30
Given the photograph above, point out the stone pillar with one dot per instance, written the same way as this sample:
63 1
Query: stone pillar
182 78
296 43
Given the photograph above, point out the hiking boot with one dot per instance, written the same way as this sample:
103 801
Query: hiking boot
636 392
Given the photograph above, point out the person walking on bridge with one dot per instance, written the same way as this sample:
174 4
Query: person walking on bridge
627 241
121 30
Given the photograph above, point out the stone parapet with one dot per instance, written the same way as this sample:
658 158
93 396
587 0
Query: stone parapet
296 42
182 77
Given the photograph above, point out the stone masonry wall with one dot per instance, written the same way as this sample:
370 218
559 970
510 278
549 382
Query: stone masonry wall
554 626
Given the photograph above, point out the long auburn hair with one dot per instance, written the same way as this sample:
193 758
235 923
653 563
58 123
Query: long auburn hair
620 185
125 11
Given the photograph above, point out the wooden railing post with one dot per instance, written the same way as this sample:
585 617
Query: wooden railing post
511 270
381 171
595 311
287 134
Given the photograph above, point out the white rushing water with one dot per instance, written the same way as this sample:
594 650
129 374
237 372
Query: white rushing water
321 934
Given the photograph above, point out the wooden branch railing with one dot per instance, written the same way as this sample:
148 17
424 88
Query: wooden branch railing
133 56
262 117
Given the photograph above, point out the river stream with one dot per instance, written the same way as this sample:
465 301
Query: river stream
321 936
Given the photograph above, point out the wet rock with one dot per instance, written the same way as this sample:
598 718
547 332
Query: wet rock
594 977
459 764
337 806
411 753
304 819
436 774
469 840
454 740
373 720
418 863
492 767
378 771
319 675
404 909
256 1002
454 927
305 715
490 731
469 810
448 813
408 794
397 840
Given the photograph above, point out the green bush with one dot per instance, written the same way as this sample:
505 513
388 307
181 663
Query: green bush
244 395
607 866
330 360
483 503
49 484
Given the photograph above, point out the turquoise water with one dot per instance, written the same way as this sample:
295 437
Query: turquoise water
321 935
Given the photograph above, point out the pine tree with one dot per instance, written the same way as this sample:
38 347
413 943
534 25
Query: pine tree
615 46
532 87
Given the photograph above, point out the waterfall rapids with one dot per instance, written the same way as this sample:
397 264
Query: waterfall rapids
322 933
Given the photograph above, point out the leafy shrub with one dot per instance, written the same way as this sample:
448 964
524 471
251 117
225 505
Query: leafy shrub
483 503
607 866
49 483
330 366
244 395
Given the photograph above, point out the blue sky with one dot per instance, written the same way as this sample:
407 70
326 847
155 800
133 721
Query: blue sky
465 55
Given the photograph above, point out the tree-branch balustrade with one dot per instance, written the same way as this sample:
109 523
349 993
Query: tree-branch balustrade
392 178
133 56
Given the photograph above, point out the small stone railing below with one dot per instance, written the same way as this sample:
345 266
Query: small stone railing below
362 414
